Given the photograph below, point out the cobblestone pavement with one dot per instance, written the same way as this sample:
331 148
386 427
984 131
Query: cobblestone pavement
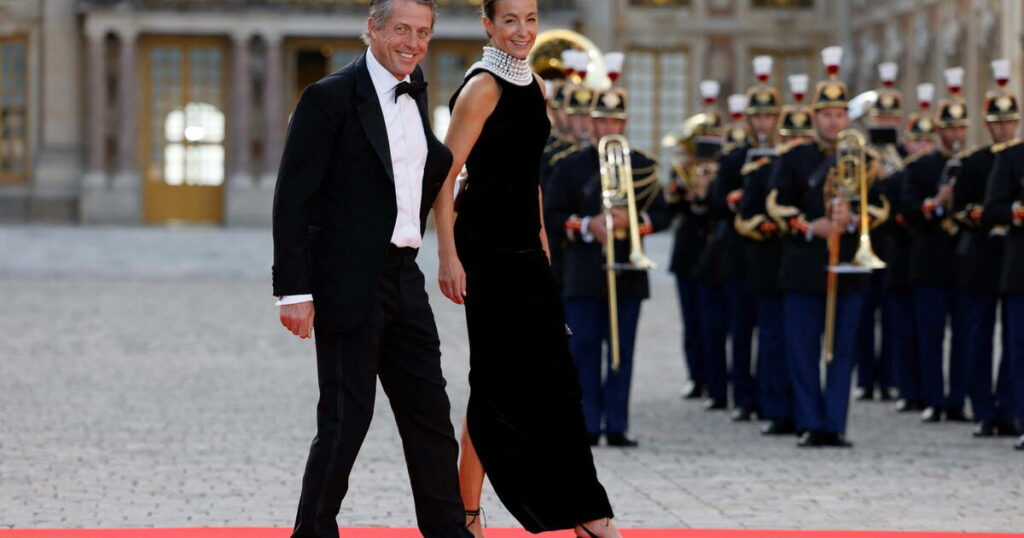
144 381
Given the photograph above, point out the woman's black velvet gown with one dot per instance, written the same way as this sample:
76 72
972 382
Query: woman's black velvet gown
525 417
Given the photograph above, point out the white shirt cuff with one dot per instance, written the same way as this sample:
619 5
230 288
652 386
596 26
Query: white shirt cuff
585 234
294 299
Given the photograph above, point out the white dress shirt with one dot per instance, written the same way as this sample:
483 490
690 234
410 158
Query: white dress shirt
407 142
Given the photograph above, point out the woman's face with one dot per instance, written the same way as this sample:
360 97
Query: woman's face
514 27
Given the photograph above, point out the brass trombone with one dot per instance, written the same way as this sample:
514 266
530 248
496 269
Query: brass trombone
850 182
617 190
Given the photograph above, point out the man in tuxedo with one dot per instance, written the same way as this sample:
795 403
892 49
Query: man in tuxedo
359 173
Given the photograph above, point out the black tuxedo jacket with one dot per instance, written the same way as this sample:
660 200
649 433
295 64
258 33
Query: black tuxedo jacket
335 205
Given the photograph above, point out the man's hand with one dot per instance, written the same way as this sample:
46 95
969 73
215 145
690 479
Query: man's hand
767 227
452 279
620 218
821 227
298 318
734 198
842 216
1018 213
597 228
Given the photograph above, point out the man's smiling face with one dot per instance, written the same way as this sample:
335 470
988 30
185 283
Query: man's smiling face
401 41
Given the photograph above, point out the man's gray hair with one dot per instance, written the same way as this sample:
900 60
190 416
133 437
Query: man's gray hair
380 12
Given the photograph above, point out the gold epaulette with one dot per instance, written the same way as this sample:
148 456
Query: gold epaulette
967 153
1008 144
647 187
910 159
780 213
563 154
785 147
749 228
752 166
880 214
646 154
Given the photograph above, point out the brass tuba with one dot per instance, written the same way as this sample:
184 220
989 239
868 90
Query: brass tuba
850 182
546 57
616 191
700 140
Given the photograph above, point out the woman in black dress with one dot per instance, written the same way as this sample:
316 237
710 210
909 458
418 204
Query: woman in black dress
524 417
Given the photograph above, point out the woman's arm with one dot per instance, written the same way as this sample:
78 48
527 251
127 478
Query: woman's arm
475 104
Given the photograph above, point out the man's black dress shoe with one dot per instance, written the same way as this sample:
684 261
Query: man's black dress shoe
1006 428
811 440
906 406
778 427
884 394
595 439
956 414
931 414
692 391
985 428
620 440
715 405
742 414
865 394
837 440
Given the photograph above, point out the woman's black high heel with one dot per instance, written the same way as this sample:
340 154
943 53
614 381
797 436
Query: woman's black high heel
586 530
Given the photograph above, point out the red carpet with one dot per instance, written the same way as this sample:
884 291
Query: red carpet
491 533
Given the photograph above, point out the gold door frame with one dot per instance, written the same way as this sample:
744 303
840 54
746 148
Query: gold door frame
180 204
27 148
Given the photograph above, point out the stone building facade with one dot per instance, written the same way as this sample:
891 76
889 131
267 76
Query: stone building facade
174 111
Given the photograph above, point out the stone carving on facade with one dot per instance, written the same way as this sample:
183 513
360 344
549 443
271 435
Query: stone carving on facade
923 39
952 31
988 23
870 55
893 42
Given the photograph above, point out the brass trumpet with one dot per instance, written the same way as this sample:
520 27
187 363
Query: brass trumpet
616 191
850 182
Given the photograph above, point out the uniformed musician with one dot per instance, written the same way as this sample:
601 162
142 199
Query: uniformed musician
875 370
762 107
575 202
714 319
797 202
1004 206
700 141
919 140
981 246
761 271
928 197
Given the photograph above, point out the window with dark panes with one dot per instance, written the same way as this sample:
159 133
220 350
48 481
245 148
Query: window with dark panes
13 110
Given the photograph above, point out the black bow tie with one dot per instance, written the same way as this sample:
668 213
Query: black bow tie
414 89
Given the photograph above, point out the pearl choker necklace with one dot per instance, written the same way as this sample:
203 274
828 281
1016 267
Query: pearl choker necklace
505 66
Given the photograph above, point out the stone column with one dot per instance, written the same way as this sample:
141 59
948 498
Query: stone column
273 107
240 176
96 68
57 146
128 109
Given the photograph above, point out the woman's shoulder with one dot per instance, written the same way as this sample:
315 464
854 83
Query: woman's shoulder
480 88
